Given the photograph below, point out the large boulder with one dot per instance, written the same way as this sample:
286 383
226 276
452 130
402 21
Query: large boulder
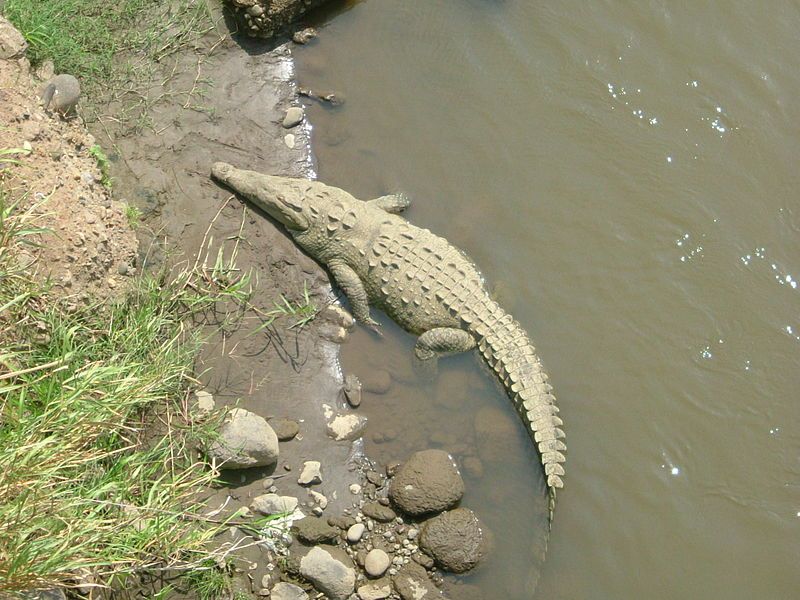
266 18
12 44
330 572
245 440
454 539
428 482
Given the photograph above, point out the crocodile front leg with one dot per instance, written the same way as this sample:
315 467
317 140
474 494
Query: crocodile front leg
347 279
392 203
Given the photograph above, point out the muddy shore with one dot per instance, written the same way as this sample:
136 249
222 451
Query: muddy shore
284 371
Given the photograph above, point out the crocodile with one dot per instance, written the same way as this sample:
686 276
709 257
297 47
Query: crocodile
425 284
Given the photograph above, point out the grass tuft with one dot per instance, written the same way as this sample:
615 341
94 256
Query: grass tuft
98 467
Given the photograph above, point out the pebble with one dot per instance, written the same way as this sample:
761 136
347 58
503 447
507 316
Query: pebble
293 118
320 499
285 429
311 473
26 145
304 35
377 511
289 140
314 530
288 591
255 11
355 533
329 574
346 426
272 504
375 590
376 562
205 401
355 488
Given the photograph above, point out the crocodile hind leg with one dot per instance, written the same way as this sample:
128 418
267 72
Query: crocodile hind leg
353 289
440 341
393 203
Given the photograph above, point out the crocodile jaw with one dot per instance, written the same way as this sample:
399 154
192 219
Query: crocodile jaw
268 193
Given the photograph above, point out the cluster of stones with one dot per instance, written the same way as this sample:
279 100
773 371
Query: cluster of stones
264 18
393 543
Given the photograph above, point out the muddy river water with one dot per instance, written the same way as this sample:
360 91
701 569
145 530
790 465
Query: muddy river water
626 176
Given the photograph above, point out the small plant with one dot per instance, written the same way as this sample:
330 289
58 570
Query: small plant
303 312
102 163
6 155
133 215
208 581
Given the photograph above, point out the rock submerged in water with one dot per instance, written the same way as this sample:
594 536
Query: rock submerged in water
330 571
454 539
428 482
245 440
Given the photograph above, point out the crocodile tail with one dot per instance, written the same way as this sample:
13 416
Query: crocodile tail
508 351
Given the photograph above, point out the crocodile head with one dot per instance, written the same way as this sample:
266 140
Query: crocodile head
282 198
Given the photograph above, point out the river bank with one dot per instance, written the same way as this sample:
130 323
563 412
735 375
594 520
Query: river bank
271 340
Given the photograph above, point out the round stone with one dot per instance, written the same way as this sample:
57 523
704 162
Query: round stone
428 482
285 429
454 539
376 562
355 532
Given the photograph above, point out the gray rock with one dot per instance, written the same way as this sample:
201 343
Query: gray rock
293 118
310 474
355 532
379 512
255 11
289 140
454 539
346 426
330 572
288 591
313 530
53 594
285 429
352 390
412 583
12 44
246 440
377 382
304 36
273 504
376 562
375 590
427 482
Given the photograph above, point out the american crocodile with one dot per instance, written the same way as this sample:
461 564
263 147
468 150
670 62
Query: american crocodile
424 283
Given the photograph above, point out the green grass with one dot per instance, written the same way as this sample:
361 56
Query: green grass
133 215
208 581
98 461
112 47
302 313
102 163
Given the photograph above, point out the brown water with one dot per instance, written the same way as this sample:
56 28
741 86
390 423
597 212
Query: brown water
626 174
